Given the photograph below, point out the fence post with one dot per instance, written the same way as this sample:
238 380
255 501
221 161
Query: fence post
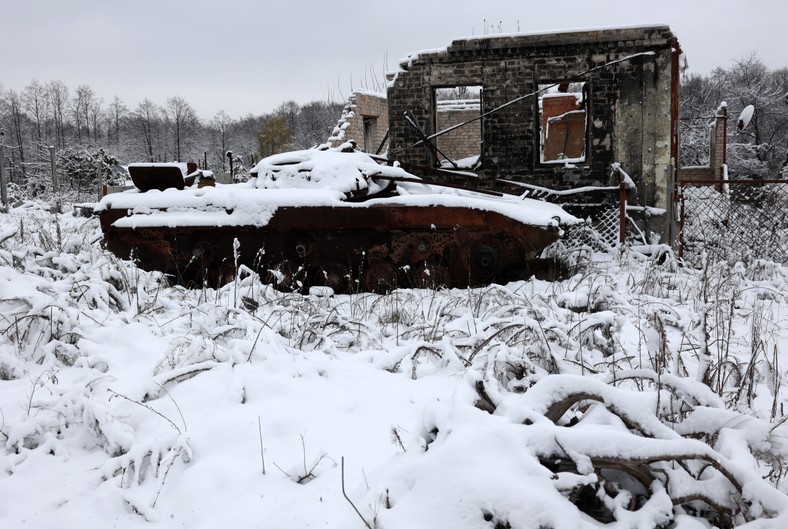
681 220
230 157
53 167
55 189
3 185
100 184
673 211
622 199
623 188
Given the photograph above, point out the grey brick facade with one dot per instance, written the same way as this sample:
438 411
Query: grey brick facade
631 77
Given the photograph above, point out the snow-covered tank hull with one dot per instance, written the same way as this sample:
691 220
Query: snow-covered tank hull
324 236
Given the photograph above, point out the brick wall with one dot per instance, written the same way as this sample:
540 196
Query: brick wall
629 76
463 142
362 107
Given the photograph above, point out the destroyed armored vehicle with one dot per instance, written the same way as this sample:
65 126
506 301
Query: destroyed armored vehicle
330 217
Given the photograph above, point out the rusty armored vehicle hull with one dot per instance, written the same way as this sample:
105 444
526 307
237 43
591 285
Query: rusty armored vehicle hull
343 248
368 234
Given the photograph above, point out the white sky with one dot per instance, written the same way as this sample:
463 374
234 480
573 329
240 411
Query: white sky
249 56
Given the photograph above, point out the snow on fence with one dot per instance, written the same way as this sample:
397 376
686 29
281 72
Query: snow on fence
601 232
734 220
605 210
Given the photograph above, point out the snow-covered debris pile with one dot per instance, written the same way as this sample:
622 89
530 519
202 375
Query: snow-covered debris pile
616 458
630 395
341 168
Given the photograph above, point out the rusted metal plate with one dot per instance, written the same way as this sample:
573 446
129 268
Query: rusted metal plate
375 248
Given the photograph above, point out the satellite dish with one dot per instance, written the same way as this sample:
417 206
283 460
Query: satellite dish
745 117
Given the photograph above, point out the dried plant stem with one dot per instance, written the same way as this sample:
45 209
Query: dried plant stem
262 450
349 500
148 408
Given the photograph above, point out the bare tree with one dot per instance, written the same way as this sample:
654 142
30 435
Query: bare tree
244 137
12 108
184 122
221 125
57 94
80 107
759 151
117 110
35 102
95 113
289 111
146 121
315 122
700 96
44 114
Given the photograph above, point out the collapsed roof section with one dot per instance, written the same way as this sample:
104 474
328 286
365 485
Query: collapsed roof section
555 109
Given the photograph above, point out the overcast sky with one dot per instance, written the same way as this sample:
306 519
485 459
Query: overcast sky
249 56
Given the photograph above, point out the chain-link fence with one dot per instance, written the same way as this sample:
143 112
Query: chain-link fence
600 232
603 210
736 220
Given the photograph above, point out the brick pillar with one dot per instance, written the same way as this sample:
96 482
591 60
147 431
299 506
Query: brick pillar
719 141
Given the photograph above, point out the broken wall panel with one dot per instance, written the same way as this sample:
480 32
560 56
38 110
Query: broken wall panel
364 120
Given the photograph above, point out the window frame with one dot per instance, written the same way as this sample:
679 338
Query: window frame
542 89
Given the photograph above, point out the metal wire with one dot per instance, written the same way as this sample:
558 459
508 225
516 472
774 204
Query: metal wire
735 221
599 233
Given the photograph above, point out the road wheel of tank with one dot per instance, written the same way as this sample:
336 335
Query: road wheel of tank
431 276
305 245
482 261
334 275
380 277
422 248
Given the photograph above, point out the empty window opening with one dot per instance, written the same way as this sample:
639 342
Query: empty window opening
562 122
460 148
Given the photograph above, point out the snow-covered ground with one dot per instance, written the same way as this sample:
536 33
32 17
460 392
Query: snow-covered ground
634 391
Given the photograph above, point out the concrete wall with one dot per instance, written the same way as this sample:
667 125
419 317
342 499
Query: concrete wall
629 75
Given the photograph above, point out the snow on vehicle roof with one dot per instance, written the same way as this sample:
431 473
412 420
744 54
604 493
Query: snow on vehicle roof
180 165
313 178
341 168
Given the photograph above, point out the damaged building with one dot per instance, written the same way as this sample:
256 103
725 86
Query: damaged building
552 110
598 97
